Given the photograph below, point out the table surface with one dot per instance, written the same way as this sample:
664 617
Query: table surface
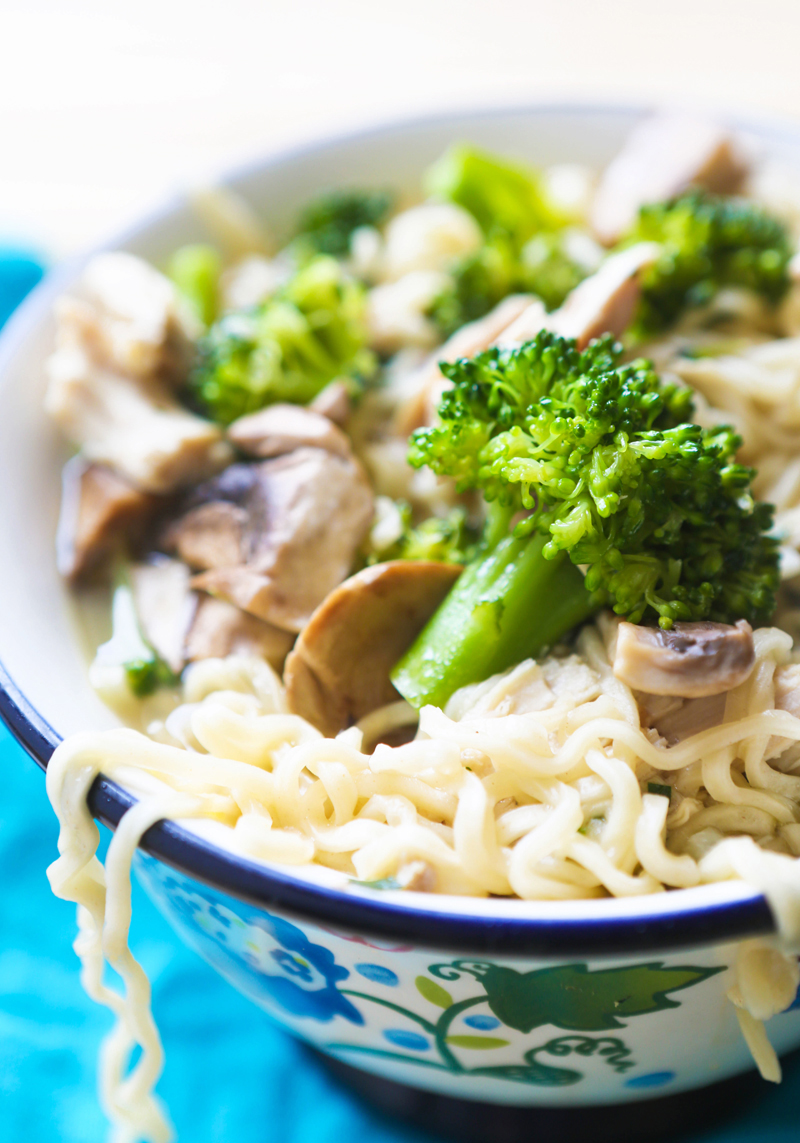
105 107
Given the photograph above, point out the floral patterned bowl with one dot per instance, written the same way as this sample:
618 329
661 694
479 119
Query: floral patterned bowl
507 1002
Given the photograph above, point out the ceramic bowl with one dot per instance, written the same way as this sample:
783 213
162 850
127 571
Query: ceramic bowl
509 1002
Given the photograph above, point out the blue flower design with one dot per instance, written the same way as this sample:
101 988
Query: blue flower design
308 974
281 962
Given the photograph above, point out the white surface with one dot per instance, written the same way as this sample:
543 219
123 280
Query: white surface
107 104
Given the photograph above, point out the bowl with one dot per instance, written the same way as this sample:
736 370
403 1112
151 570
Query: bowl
535 1004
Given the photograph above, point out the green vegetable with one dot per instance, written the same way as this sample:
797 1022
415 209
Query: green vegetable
657 788
548 271
509 204
708 242
448 539
195 270
583 461
482 279
145 670
287 349
479 282
328 221
503 196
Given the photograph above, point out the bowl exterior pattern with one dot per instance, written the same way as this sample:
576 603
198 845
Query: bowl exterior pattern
503 1030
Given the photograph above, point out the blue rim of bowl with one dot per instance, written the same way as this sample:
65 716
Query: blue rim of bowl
375 913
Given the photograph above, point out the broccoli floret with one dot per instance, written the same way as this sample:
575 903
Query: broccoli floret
583 461
195 270
504 197
708 242
482 279
287 349
508 202
449 539
479 282
328 221
548 271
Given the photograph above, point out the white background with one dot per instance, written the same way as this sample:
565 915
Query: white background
107 105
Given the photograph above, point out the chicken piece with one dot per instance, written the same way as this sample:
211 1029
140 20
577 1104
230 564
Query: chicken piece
136 428
251 281
430 383
338 671
662 157
397 311
279 429
99 510
603 303
219 629
333 402
606 301
530 686
208 536
165 606
428 237
691 660
308 512
131 318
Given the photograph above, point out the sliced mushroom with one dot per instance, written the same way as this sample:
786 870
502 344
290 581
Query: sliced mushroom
308 512
165 605
675 719
209 536
430 383
99 509
339 669
132 317
219 629
280 428
691 660
136 428
662 157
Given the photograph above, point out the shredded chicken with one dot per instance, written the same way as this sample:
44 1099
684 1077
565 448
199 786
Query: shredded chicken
663 156
100 511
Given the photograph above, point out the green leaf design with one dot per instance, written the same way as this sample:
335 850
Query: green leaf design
532 1073
479 1043
572 997
433 992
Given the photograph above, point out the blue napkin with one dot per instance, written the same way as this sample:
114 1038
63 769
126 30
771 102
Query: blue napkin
231 1075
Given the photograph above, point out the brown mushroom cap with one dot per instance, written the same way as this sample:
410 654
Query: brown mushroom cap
692 660
338 671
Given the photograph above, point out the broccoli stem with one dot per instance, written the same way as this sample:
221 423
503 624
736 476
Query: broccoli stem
508 605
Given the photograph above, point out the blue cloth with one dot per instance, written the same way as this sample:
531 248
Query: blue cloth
231 1075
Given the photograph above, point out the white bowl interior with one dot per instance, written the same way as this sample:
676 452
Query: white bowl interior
39 641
